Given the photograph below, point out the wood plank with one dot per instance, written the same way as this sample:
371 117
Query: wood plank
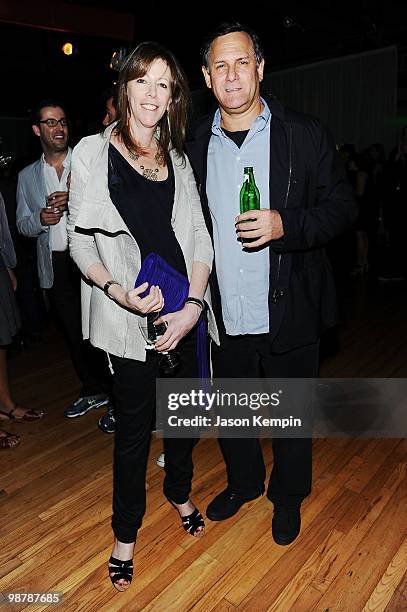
389 582
66 549
38 490
74 449
379 451
189 586
307 599
364 514
399 600
302 579
245 572
83 496
366 565
320 505
274 581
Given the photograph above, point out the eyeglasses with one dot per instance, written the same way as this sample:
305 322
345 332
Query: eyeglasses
54 122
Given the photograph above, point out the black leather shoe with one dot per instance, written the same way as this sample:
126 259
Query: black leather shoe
286 524
226 504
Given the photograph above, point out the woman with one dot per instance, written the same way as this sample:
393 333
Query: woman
9 325
368 191
133 193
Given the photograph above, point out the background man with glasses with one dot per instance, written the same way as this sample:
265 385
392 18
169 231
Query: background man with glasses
42 203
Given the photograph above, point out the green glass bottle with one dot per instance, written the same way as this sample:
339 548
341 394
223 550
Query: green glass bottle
249 196
249 193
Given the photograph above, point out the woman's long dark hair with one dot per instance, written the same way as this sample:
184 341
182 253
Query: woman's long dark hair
173 123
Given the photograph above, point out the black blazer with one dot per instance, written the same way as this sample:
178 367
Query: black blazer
308 186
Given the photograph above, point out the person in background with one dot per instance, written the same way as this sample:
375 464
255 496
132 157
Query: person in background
9 324
368 189
28 294
133 193
395 209
107 422
110 106
274 297
362 190
42 204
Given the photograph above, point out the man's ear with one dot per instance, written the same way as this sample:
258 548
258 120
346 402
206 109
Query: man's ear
207 77
36 130
260 70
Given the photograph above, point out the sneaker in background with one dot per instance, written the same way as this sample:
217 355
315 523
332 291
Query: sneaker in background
107 422
161 460
85 404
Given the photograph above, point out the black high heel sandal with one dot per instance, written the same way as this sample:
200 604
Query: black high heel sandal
192 522
120 570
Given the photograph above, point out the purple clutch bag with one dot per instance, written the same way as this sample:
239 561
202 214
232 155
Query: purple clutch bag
174 286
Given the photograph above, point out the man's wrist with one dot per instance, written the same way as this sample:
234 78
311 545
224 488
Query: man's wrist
42 220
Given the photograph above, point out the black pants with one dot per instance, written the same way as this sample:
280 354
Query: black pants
89 362
249 356
134 395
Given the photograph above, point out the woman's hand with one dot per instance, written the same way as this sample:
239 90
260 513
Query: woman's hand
179 324
152 302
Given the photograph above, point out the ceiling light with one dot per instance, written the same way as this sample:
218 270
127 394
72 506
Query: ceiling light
67 48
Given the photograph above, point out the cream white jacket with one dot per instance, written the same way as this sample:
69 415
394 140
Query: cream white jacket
98 234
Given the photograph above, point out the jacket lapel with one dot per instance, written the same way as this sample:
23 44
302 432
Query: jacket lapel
39 184
279 164
198 156
101 214
176 163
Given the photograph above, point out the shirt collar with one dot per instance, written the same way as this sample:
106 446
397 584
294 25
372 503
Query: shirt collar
66 163
259 123
265 114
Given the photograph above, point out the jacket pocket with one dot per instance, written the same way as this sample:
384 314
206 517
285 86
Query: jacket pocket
310 306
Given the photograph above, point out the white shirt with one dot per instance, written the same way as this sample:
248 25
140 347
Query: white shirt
58 233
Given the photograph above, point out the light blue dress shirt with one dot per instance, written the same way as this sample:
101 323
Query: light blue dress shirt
243 276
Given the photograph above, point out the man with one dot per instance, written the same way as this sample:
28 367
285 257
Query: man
42 201
110 107
273 298
394 209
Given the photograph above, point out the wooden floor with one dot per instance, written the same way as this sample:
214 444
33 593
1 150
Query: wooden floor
55 498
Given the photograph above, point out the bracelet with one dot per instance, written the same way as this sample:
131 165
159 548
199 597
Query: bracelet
196 301
106 288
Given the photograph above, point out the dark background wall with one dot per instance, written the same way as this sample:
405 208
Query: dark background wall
294 34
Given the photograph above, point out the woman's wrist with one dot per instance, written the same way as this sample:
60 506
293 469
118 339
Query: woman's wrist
114 291
197 301
193 309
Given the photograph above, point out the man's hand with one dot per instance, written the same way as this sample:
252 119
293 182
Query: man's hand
57 205
13 278
261 226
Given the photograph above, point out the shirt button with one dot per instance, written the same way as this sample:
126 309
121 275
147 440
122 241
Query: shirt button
242 296
241 272
238 186
237 158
